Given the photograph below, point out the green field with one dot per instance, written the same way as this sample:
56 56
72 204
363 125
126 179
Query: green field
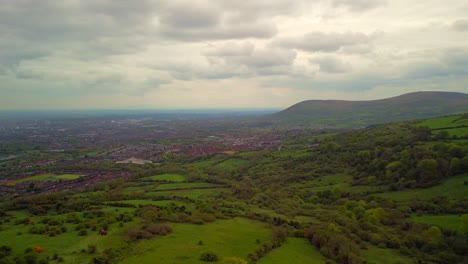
44 177
456 125
204 163
68 245
166 177
453 187
232 164
449 222
187 185
375 255
227 238
447 121
148 202
294 250
193 194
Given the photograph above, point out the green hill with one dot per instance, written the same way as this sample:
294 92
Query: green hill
355 113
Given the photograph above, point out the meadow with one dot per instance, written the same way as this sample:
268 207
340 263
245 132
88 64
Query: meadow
294 250
448 222
166 177
44 177
226 238
453 187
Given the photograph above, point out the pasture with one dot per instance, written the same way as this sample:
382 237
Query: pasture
449 222
294 250
453 187
227 238
44 177
68 245
166 177
375 255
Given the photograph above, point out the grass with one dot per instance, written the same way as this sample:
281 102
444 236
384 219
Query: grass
67 245
294 250
227 238
453 187
375 255
192 194
166 177
449 222
187 185
455 125
44 177
149 202
205 163
232 164
442 122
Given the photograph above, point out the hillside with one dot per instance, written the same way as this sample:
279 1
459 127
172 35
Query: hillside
355 113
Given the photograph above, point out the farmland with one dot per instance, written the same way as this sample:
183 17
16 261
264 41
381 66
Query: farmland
391 193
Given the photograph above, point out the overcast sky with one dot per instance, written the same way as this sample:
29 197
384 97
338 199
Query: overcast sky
226 53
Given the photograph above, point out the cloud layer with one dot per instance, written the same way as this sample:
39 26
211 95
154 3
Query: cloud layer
206 53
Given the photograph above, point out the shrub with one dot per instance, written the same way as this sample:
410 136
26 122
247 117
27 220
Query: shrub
209 257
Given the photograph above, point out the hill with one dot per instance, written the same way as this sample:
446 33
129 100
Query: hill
354 113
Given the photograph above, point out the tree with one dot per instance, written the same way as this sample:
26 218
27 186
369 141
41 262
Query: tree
209 257
434 234
427 169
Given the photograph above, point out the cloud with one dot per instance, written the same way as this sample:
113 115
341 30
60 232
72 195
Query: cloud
444 64
359 5
222 31
326 42
190 17
460 25
330 64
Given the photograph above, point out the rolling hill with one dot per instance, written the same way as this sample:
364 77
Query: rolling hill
354 113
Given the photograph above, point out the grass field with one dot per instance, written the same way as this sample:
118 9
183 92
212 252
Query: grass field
375 255
204 163
149 202
166 177
453 187
192 194
447 121
227 238
187 185
68 245
232 164
44 177
449 222
455 125
294 250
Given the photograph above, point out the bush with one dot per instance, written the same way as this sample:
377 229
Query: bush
209 257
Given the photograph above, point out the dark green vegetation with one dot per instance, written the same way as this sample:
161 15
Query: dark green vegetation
355 113
393 193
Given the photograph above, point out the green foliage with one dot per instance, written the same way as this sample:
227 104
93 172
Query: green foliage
209 257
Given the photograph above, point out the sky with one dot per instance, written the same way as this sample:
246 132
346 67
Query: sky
149 54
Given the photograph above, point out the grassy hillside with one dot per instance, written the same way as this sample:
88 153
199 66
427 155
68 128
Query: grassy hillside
353 113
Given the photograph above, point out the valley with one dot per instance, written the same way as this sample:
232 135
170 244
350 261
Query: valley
393 193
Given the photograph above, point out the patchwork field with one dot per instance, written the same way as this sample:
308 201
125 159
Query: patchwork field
68 245
187 185
456 125
294 250
453 187
166 177
226 238
377 255
189 193
44 177
449 222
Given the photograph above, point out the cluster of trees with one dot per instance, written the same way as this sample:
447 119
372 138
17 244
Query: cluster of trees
402 156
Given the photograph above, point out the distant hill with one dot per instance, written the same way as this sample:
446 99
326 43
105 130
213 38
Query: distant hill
342 113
